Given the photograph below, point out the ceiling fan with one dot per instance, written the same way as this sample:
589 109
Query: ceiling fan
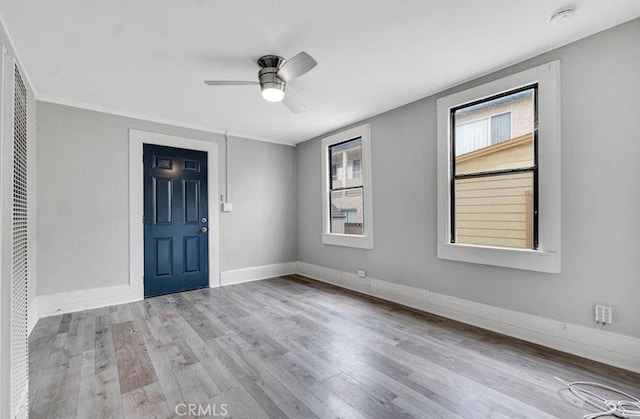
275 72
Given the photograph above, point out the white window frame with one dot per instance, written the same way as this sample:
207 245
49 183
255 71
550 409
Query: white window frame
364 241
547 257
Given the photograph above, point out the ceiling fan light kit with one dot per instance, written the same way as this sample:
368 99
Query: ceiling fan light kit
271 85
275 72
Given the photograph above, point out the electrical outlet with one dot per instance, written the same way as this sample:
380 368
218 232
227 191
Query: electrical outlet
361 273
603 314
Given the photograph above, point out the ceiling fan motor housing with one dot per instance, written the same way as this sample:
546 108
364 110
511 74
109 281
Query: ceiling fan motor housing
268 74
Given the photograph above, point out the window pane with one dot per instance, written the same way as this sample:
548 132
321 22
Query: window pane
496 134
336 171
495 210
347 211
356 168
500 128
472 136
346 155
353 170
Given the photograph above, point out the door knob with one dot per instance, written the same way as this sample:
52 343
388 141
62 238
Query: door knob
204 229
203 220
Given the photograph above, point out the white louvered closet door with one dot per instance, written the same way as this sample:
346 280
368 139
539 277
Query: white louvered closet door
14 245
19 259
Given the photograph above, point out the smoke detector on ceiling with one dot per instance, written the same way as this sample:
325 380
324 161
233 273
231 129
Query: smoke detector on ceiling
562 14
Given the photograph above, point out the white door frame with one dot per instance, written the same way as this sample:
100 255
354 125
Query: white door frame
136 203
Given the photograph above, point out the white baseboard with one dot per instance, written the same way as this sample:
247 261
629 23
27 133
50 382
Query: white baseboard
254 273
23 405
32 314
599 345
68 302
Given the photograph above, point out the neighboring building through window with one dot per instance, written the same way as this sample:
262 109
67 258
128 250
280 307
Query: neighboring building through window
481 132
495 171
353 170
346 191
352 215
336 171
347 194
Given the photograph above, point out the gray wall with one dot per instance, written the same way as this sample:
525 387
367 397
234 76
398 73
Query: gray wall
600 91
83 199
262 188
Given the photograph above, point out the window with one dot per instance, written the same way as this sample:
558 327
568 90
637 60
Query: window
346 193
347 215
498 172
354 169
492 196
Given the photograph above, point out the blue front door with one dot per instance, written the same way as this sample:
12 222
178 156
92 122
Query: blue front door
175 220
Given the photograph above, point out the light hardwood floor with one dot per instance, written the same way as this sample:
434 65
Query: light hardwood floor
293 348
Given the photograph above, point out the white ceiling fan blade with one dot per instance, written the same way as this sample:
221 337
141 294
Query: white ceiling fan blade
296 67
230 83
293 102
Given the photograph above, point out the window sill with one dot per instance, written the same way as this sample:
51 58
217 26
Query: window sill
529 260
348 240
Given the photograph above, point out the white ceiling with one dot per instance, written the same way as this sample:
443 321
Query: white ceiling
149 57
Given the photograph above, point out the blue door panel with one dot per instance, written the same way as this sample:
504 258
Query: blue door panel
191 201
163 195
191 254
164 256
176 250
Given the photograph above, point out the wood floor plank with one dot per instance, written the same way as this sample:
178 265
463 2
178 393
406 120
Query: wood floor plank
509 383
291 347
238 404
272 396
99 394
146 402
59 397
105 354
372 404
135 369
65 323
311 391
163 357
214 366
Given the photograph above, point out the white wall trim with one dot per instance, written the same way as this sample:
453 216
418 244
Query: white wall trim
137 139
159 120
32 315
69 302
14 52
610 348
254 273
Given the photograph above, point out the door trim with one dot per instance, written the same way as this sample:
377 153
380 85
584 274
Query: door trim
136 203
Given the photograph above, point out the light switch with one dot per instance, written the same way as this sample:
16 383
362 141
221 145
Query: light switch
227 207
